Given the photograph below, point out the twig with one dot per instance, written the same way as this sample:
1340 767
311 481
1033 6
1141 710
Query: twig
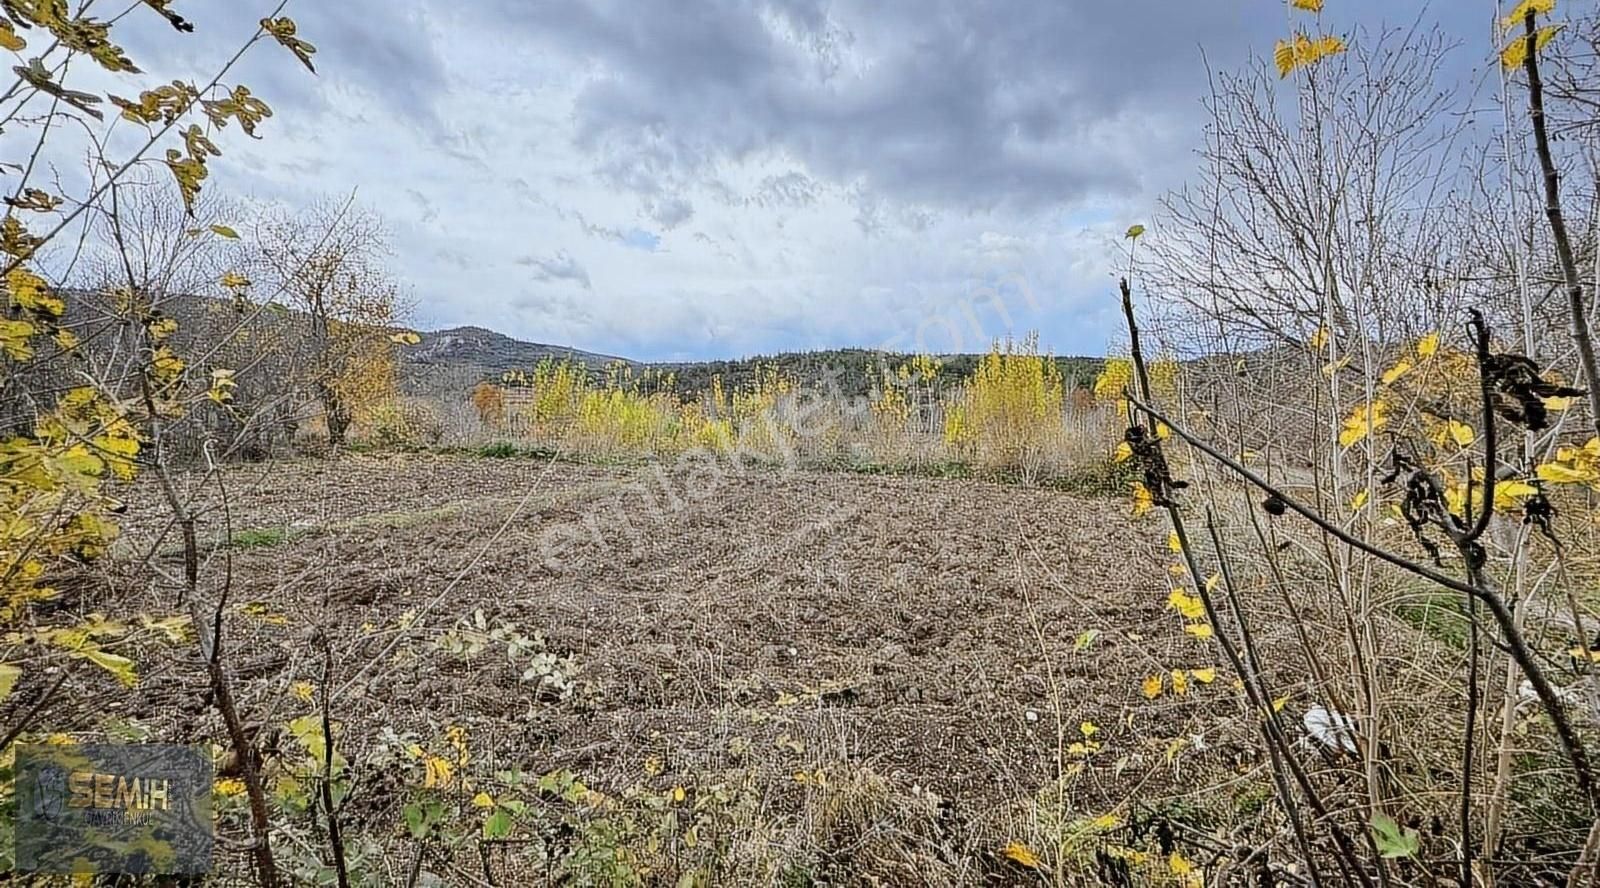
1576 306
33 711
335 836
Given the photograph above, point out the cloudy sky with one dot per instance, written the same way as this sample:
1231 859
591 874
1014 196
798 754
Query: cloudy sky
710 178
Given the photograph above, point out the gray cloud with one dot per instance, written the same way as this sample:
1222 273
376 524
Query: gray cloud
560 267
761 173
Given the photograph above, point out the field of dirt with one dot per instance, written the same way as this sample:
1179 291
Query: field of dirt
950 638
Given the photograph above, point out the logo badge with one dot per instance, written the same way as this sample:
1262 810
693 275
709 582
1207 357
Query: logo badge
137 809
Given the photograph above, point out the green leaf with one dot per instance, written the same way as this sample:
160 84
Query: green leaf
1085 639
224 231
498 826
1134 232
1392 840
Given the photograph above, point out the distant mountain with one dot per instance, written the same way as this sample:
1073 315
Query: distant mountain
460 357
454 360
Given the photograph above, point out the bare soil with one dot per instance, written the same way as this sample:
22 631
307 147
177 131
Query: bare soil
716 621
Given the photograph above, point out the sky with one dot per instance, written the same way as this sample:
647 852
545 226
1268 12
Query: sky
687 179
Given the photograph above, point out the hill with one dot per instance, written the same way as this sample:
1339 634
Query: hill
457 358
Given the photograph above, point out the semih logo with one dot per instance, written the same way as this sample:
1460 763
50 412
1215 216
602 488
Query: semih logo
140 809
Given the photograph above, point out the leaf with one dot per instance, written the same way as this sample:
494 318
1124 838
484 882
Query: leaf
1319 338
283 30
1123 453
498 825
1142 500
1204 676
1359 500
9 673
224 231
405 337
1152 685
483 800
1180 682
1021 854
1515 53
235 281
1558 473
1428 345
1300 51
1307 5
1084 639
1457 431
119 666
1392 840
1173 542
1201 631
1519 14
1088 729
438 772
1190 606
1134 231
189 173
1366 419
9 39
1398 370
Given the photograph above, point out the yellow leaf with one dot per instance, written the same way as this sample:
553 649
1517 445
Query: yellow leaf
405 337
9 673
304 690
1509 494
228 787
1397 371
1199 630
1278 704
1301 50
1319 338
1021 854
9 39
235 281
1151 687
31 293
1336 366
1142 500
1134 231
1173 543
1106 821
1577 654
1190 606
1558 403
1180 682
483 800
1428 345
1557 473
1089 729
1179 864
678 794
1211 583
1204 676
1515 53
1519 13
1123 453
225 231
1307 5
119 666
1359 500
1366 419
439 772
